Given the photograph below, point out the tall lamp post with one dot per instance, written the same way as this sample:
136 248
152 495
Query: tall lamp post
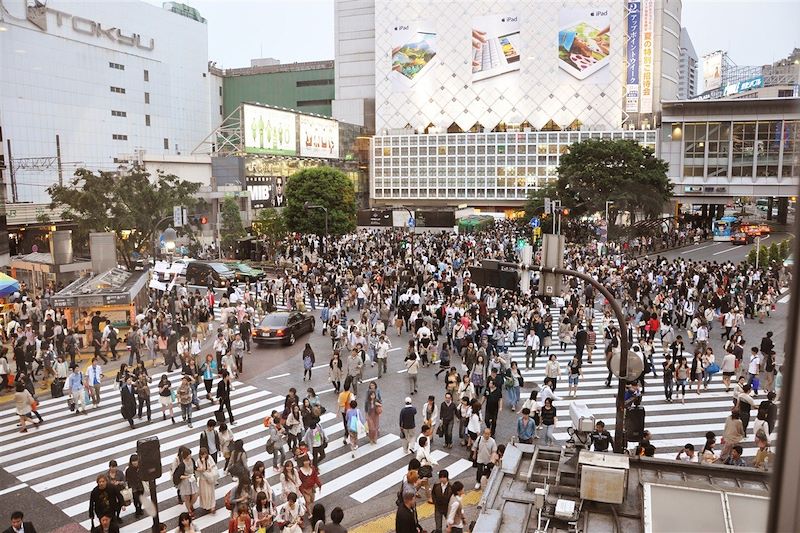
309 206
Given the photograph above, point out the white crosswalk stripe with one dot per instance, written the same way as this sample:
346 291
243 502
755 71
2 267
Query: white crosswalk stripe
61 458
672 424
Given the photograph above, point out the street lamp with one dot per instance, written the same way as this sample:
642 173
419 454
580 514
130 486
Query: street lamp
170 236
308 206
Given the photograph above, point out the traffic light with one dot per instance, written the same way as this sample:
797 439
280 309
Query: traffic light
565 212
204 220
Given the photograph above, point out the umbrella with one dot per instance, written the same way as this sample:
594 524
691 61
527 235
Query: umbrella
8 285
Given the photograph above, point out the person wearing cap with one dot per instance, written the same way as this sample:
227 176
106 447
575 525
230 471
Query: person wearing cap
407 424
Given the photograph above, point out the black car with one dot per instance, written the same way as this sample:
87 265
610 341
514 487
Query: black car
283 327
197 273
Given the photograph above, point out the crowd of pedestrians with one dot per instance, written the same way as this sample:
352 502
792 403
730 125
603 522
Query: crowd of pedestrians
369 292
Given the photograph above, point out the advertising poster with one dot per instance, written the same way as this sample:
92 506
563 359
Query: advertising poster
584 44
319 137
495 48
647 58
712 71
269 131
266 191
414 46
632 57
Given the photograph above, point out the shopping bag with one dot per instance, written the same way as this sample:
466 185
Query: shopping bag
362 430
712 369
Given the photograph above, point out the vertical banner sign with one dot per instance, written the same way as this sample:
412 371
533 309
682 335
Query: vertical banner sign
648 49
632 58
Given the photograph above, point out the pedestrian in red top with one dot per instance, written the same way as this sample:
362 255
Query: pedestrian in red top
309 481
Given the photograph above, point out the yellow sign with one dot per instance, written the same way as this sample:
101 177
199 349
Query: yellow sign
537 232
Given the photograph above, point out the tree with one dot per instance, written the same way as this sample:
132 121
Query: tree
130 205
595 171
322 186
271 226
231 227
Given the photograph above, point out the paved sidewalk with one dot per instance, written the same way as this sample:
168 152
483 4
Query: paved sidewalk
385 523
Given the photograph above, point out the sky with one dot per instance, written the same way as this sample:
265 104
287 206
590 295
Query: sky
753 32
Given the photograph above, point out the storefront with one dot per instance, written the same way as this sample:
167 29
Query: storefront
117 294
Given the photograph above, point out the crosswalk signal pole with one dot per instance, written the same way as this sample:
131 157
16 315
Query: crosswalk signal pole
154 499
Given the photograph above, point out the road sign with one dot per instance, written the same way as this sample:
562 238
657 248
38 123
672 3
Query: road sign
411 222
177 216
535 222
537 232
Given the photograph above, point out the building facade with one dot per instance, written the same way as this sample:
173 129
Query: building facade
475 101
687 76
83 82
354 46
307 87
721 149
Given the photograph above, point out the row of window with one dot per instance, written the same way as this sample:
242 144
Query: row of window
313 83
307 103
123 137
513 194
120 66
125 114
744 149
511 149
528 138
547 170
121 90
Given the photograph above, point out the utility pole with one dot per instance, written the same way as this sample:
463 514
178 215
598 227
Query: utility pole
58 161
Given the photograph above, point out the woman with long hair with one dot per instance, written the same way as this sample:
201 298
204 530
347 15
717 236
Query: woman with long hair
308 361
207 475
309 481
165 397
290 481
264 511
374 409
318 518
335 372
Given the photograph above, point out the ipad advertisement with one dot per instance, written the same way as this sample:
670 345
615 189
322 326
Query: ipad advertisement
496 46
584 44
414 47
465 63
269 131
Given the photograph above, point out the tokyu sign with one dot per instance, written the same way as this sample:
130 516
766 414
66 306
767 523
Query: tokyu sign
41 15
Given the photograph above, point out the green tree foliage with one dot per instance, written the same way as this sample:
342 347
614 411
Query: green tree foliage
751 256
270 226
130 205
786 248
323 186
231 227
775 253
763 256
598 170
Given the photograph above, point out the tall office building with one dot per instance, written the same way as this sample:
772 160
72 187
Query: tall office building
354 29
687 78
82 83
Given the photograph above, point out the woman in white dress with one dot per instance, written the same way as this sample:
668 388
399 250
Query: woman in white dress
207 475
188 481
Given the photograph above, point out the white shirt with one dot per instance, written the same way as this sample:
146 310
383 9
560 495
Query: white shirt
95 374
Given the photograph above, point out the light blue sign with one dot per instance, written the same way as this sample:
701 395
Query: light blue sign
535 222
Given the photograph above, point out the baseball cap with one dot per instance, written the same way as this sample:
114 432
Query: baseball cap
408 399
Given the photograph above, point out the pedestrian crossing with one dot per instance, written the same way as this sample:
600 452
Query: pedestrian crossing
61 458
672 425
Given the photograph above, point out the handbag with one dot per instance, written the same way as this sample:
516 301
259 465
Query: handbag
228 502
270 446
379 409
712 369
127 495
34 405
440 431
425 471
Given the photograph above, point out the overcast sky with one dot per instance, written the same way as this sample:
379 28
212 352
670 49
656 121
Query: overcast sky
753 32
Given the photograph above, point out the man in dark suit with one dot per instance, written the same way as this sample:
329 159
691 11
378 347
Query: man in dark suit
17 524
128 408
440 494
224 395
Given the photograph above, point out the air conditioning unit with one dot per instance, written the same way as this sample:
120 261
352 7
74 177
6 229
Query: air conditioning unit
603 477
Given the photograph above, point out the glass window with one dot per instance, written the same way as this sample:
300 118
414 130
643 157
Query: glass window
744 135
694 149
768 144
718 140
791 148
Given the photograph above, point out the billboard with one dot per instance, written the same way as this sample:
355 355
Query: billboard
457 62
269 131
742 86
319 137
632 44
712 71
266 191
648 56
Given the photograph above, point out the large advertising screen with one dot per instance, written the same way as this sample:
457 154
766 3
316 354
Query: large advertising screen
712 71
461 62
319 137
269 131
